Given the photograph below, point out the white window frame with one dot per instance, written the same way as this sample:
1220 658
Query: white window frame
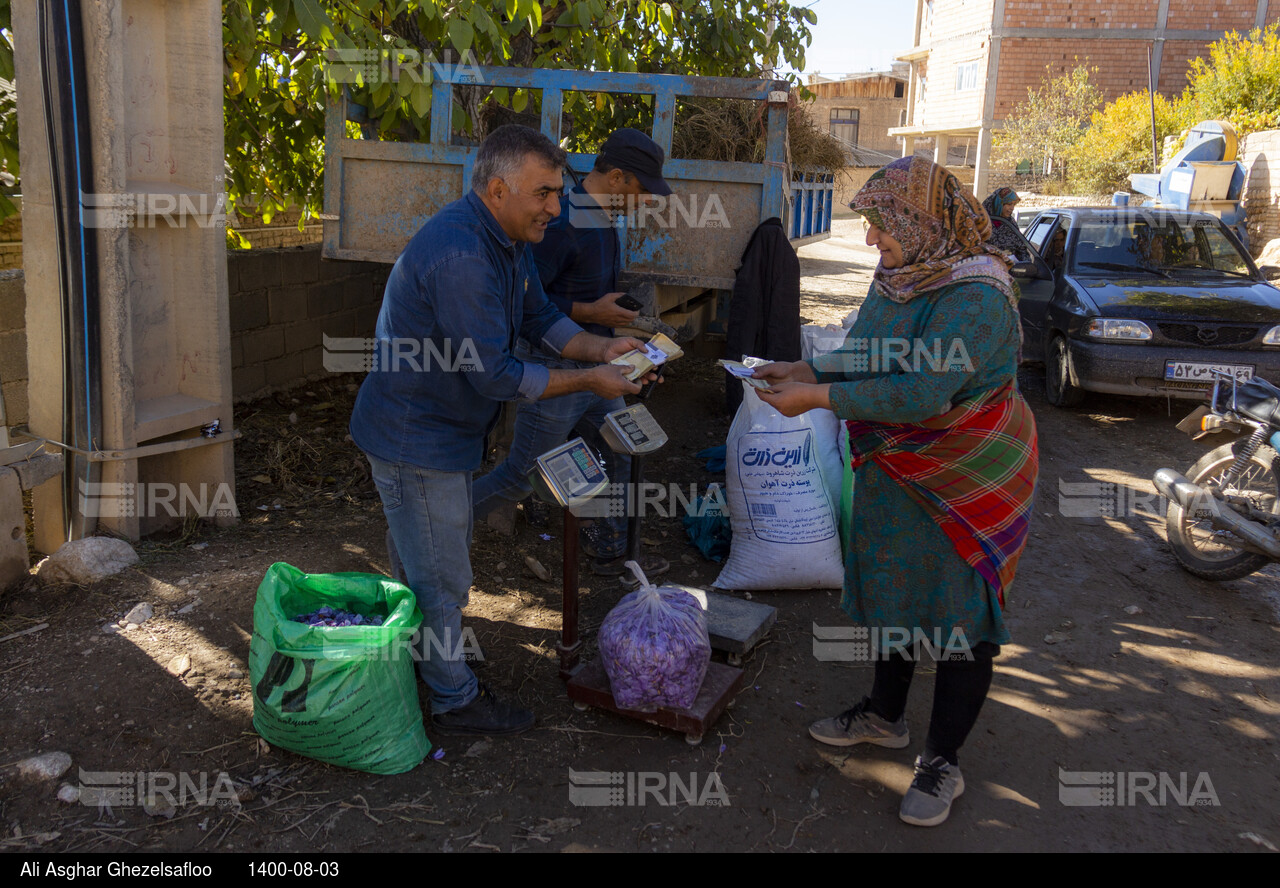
967 75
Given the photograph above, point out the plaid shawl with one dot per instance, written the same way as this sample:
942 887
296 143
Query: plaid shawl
973 469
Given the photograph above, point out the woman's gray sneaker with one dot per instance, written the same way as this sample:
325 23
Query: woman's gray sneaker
861 725
936 785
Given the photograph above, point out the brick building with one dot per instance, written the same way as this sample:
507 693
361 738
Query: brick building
860 109
974 60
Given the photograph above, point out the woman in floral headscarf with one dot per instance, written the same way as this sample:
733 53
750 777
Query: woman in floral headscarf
945 451
1004 233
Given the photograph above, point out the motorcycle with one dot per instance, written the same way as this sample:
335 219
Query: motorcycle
1223 519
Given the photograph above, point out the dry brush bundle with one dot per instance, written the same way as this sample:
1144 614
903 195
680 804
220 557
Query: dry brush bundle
735 130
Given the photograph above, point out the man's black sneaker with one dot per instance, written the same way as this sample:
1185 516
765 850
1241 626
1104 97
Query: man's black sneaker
484 715
598 541
537 514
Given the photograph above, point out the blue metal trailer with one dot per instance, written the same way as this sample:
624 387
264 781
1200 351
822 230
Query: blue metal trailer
680 256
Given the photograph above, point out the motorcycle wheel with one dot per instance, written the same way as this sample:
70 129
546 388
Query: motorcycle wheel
1211 553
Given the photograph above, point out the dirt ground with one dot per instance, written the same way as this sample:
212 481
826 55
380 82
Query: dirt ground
1121 663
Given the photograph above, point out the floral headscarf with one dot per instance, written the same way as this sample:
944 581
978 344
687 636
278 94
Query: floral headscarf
1005 235
942 228
995 202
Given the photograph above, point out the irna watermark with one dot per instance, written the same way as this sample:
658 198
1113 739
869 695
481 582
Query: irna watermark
1107 499
649 210
885 354
654 500
399 355
600 789
1121 789
111 499
146 209
861 644
113 789
377 66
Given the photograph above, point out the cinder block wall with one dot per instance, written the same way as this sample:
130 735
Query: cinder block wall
13 346
1261 155
282 302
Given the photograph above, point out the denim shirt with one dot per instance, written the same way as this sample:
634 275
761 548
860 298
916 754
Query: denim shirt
455 302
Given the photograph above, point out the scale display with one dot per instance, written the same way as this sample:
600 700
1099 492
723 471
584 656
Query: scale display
569 475
633 431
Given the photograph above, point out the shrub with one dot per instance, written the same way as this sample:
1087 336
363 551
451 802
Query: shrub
1118 142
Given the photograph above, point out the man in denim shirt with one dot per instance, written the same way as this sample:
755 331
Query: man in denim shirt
578 262
457 298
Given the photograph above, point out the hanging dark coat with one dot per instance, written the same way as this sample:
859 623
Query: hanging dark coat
764 314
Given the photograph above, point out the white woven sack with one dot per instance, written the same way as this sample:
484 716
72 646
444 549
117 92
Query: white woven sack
778 474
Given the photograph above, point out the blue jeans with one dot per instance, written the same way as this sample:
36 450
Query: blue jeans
545 425
429 516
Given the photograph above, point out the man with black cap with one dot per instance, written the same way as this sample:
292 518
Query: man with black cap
578 262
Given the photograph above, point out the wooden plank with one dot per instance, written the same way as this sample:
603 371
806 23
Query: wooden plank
590 685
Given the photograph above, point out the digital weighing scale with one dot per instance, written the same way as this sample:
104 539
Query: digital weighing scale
569 476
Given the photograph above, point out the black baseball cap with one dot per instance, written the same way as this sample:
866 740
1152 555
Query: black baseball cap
631 150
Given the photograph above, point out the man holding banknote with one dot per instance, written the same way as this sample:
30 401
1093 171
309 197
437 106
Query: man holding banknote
578 262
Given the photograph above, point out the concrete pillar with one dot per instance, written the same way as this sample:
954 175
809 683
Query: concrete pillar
908 146
982 164
154 74
941 145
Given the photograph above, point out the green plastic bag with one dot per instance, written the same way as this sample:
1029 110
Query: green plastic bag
345 695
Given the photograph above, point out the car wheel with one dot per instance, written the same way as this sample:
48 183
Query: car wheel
1059 389
1201 548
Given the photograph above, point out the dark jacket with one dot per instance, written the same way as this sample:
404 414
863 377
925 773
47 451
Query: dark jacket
764 315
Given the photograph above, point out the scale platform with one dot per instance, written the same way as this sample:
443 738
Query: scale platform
735 625
589 686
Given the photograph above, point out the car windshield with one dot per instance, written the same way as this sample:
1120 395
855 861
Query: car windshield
1165 247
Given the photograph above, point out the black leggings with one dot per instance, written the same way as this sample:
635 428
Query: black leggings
958 695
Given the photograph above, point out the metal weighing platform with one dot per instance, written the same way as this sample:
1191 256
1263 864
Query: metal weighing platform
735 626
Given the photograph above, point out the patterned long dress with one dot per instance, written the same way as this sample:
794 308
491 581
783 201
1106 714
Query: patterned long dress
902 570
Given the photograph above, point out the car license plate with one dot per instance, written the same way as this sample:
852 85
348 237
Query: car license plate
1188 371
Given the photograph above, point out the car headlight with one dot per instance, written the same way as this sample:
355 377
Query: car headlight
1123 330
1272 337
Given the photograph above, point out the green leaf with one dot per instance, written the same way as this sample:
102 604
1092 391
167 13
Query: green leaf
535 16
583 13
459 119
252 83
421 99
460 35
513 8
314 20
665 20
520 101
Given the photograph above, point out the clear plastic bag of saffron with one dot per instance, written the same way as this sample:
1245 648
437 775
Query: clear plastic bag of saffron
655 647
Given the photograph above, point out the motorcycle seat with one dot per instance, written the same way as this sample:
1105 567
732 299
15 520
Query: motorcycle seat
1259 400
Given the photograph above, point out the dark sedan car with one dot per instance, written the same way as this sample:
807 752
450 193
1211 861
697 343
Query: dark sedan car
1143 302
